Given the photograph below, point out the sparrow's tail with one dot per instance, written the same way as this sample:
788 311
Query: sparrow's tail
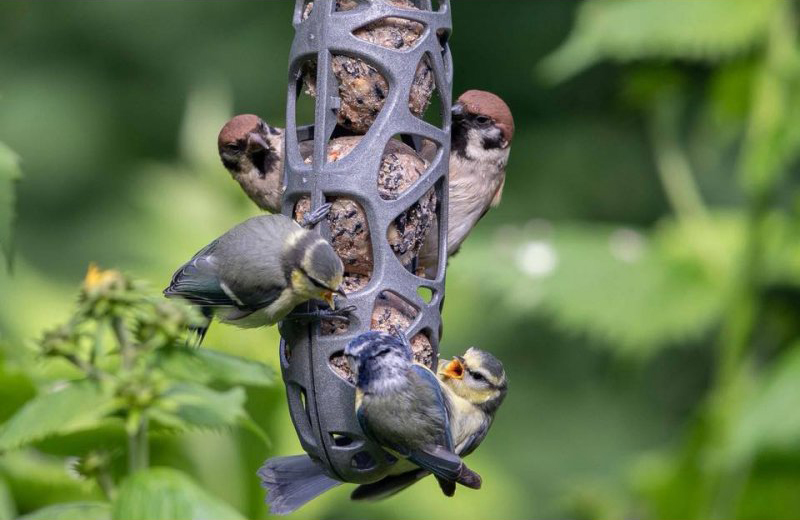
293 481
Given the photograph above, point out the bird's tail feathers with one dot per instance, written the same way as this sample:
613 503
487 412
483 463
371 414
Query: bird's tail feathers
293 481
388 486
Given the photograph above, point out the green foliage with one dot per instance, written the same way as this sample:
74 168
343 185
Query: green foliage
72 511
149 379
768 419
207 366
636 292
164 494
626 30
70 408
10 173
7 508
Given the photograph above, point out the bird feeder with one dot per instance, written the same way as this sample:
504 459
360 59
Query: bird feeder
321 399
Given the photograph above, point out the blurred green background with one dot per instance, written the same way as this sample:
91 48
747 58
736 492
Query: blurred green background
640 281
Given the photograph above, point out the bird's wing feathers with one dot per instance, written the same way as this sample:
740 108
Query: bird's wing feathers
197 280
441 407
498 195
252 277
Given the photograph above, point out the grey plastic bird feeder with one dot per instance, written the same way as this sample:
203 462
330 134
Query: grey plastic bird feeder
321 402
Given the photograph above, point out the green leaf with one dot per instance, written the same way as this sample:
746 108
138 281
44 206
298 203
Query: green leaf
188 406
72 511
207 366
625 30
10 173
769 418
7 507
635 292
162 493
77 406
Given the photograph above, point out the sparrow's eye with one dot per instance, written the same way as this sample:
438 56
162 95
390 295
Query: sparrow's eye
483 120
232 147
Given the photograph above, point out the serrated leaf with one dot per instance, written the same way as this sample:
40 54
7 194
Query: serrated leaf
207 366
77 406
619 285
162 493
72 511
188 406
624 30
10 173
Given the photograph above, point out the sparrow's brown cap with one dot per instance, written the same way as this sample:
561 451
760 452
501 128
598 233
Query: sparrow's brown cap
487 104
237 128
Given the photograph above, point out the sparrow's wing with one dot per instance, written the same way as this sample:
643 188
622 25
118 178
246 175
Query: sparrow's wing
388 486
498 194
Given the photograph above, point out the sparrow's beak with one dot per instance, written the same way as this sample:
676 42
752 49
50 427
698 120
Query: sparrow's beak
455 368
458 110
256 143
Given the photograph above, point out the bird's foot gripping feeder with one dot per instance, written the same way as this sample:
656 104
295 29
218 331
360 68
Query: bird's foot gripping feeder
372 67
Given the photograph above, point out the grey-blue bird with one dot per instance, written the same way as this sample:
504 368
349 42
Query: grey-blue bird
258 271
475 385
400 405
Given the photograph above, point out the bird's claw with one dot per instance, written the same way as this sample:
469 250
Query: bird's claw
324 314
313 218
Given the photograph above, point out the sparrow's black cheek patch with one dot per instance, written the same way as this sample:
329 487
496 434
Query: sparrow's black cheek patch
229 163
458 140
264 161
490 143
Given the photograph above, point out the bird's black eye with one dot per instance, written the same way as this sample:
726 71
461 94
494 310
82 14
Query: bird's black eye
232 147
483 120
383 352
477 376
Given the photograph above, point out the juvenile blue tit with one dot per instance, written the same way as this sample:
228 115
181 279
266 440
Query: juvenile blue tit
475 385
257 272
479 381
402 406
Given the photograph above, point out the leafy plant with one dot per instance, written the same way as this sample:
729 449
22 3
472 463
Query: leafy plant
727 269
134 373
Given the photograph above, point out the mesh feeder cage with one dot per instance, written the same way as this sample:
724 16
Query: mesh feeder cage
321 402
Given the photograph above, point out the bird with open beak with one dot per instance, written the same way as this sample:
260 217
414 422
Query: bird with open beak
475 385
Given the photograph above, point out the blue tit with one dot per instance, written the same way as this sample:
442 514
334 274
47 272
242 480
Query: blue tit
475 385
257 272
400 405
479 383
403 407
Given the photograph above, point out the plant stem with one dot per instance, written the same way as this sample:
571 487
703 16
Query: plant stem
125 346
673 166
761 169
138 447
